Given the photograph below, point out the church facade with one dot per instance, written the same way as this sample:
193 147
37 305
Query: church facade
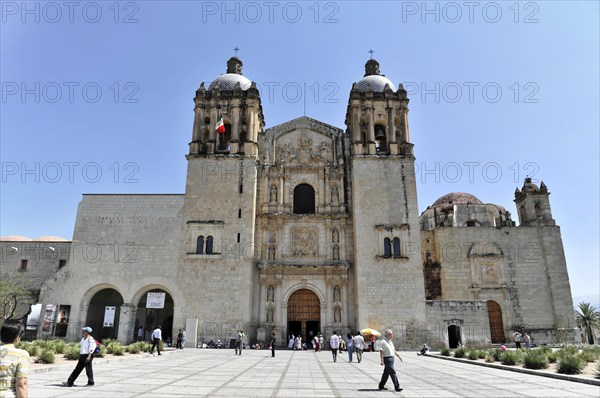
306 228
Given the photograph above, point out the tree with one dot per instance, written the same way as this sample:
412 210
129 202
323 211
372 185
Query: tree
588 320
17 292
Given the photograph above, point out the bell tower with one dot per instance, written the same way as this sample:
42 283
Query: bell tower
216 253
383 201
533 204
377 115
233 99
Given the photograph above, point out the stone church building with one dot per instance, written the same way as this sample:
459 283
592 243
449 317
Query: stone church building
306 228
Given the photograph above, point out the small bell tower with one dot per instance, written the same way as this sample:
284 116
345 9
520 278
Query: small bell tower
533 204
377 115
233 100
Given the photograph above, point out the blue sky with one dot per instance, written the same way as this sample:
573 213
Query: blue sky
97 98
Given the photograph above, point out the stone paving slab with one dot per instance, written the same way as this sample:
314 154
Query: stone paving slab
211 372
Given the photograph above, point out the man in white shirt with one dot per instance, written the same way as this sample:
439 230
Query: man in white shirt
359 345
334 343
156 338
86 355
387 352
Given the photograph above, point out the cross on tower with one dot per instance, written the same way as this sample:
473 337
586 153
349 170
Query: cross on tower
236 50
371 52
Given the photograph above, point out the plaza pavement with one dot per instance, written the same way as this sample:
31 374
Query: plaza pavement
212 372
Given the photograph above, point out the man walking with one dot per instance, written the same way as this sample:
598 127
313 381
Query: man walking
334 343
183 337
517 336
86 355
156 338
386 353
272 345
239 344
359 345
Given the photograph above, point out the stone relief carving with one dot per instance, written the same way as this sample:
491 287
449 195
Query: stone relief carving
271 253
335 253
335 195
335 236
304 242
273 194
337 315
303 153
270 315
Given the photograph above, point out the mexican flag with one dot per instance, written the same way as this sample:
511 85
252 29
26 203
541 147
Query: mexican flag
220 128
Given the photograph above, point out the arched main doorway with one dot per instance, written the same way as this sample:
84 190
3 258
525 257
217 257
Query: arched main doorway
304 314
496 324
149 317
99 317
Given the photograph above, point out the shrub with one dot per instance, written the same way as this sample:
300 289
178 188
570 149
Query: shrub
489 358
570 364
103 352
545 349
72 352
473 355
24 345
134 348
43 344
568 350
46 356
58 346
460 352
552 356
33 350
146 346
510 357
118 350
589 355
535 359
445 351
114 346
495 353
481 354
597 370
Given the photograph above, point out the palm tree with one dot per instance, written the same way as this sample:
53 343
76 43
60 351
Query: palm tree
588 320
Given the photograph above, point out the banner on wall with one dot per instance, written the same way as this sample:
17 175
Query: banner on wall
62 320
109 316
49 315
155 300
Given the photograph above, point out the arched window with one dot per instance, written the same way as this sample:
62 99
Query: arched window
209 244
387 248
225 138
396 247
200 245
304 199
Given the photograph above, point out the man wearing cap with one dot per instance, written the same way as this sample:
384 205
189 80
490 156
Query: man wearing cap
86 355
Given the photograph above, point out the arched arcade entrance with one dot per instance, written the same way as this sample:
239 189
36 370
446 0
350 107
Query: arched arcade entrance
158 313
98 313
304 314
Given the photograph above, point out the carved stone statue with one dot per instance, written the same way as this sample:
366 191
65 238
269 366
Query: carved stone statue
270 315
271 253
270 294
336 294
337 315
273 194
336 252
335 195
335 236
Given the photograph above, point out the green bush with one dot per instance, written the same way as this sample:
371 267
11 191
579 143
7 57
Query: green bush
473 355
568 350
545 349
481 354
460 352
489 358
535 359
103 352
58 346
113 345
72 352
495 353
33 350
46 356
570 364
510 357
445 351
43 344
597 370
552 356
24 345
589 355
133 348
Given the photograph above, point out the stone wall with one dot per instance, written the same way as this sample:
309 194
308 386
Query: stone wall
470 316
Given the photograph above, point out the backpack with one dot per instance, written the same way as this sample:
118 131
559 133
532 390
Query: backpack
98 347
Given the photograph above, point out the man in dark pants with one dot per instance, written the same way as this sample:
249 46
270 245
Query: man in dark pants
272 345
156 338
86 355
387 352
